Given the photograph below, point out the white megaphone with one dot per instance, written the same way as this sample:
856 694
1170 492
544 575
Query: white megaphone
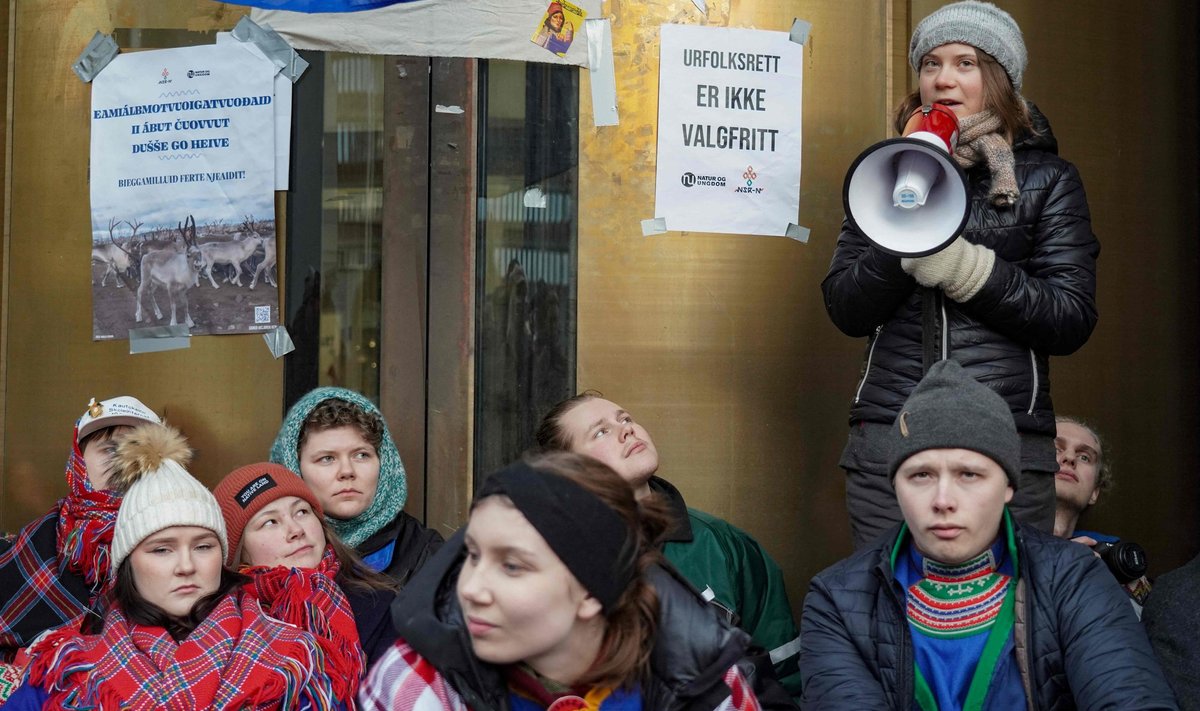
907 195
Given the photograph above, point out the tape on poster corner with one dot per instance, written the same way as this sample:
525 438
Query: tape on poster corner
154 339
798 233
701 6
603 72
279 341
440 109
654 226
272 44
95 56
800 30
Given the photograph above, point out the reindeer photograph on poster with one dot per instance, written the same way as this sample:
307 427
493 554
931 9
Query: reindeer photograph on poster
182 178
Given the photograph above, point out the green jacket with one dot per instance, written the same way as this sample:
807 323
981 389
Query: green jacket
732 570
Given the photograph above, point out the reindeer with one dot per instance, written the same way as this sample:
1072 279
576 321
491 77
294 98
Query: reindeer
117 260
232 252
267 264
174 271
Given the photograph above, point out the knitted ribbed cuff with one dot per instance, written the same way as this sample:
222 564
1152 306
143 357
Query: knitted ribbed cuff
972 272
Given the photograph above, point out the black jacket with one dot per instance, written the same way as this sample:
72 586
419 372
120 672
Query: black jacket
693 649
1078 642
373 618
1172 619
1040 299
414 545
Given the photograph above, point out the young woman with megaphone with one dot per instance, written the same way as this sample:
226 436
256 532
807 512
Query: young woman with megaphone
1014 286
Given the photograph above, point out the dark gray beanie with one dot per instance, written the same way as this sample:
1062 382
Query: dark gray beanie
979 24
951 410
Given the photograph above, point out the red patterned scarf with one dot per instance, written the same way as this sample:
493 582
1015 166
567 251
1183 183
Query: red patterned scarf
85 525
310 599
238 658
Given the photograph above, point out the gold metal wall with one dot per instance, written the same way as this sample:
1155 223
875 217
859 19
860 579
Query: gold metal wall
720 343
225 392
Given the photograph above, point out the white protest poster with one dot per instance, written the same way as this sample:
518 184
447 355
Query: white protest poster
728 130
182 177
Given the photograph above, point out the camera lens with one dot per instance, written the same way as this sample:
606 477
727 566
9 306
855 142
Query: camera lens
1125 560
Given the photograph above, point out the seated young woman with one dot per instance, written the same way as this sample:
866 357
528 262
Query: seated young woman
553 597
179 633
301 571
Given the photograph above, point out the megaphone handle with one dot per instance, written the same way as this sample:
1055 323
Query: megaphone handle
930 308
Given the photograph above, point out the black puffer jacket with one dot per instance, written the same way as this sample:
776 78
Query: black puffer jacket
694 647
1040 299
1079 644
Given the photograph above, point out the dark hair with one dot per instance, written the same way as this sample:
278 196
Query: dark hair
354 574
624 657
143 612
334 413
999 97
1104 470
550 435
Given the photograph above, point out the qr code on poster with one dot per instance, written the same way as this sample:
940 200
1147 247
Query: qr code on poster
262 314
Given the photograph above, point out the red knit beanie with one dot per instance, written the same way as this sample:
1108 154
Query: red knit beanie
246 490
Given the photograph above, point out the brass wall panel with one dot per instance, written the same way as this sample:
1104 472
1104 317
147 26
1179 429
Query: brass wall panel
720 343
225 392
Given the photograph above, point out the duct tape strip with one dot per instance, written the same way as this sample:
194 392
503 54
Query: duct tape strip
701 6
603 73
95 56
153 339
798 233
279 341
277 49
655 226
800 30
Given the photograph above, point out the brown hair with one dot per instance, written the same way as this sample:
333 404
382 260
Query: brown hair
143 612
550 435
1104 473
999 97
624 657
334 413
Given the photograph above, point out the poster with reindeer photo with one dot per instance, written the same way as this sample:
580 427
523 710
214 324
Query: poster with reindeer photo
182 178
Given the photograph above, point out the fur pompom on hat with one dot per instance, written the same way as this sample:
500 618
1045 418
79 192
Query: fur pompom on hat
979 24
149 468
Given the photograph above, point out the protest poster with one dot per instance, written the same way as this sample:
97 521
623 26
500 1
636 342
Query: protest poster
728 130
182 201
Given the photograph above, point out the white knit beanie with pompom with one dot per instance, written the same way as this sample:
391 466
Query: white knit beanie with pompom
149 468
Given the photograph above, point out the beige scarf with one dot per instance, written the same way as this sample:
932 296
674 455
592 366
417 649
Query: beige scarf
980 138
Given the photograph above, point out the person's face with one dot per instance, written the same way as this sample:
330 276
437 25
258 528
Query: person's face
342 469
602 430
97 455
950 75
519 601
556 21
286 532
953 501
176 567
1078 466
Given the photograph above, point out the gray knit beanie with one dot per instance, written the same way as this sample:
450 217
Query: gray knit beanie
951 410
979 24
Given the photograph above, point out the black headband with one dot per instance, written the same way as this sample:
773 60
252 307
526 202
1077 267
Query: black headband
588 536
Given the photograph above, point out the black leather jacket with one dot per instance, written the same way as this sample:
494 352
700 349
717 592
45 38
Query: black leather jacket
693 649
1039 301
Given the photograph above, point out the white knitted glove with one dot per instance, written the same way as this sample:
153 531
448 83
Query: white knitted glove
959 270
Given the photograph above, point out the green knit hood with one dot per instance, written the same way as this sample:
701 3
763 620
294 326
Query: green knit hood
392 491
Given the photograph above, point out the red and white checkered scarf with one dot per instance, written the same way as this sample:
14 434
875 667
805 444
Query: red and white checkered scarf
310 599
238 658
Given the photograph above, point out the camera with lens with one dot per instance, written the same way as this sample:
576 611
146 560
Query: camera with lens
1125 560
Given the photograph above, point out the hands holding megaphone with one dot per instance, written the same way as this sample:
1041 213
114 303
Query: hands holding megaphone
907 195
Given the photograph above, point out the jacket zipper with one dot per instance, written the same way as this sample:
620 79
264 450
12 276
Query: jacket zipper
867 369
1033 367
945 326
